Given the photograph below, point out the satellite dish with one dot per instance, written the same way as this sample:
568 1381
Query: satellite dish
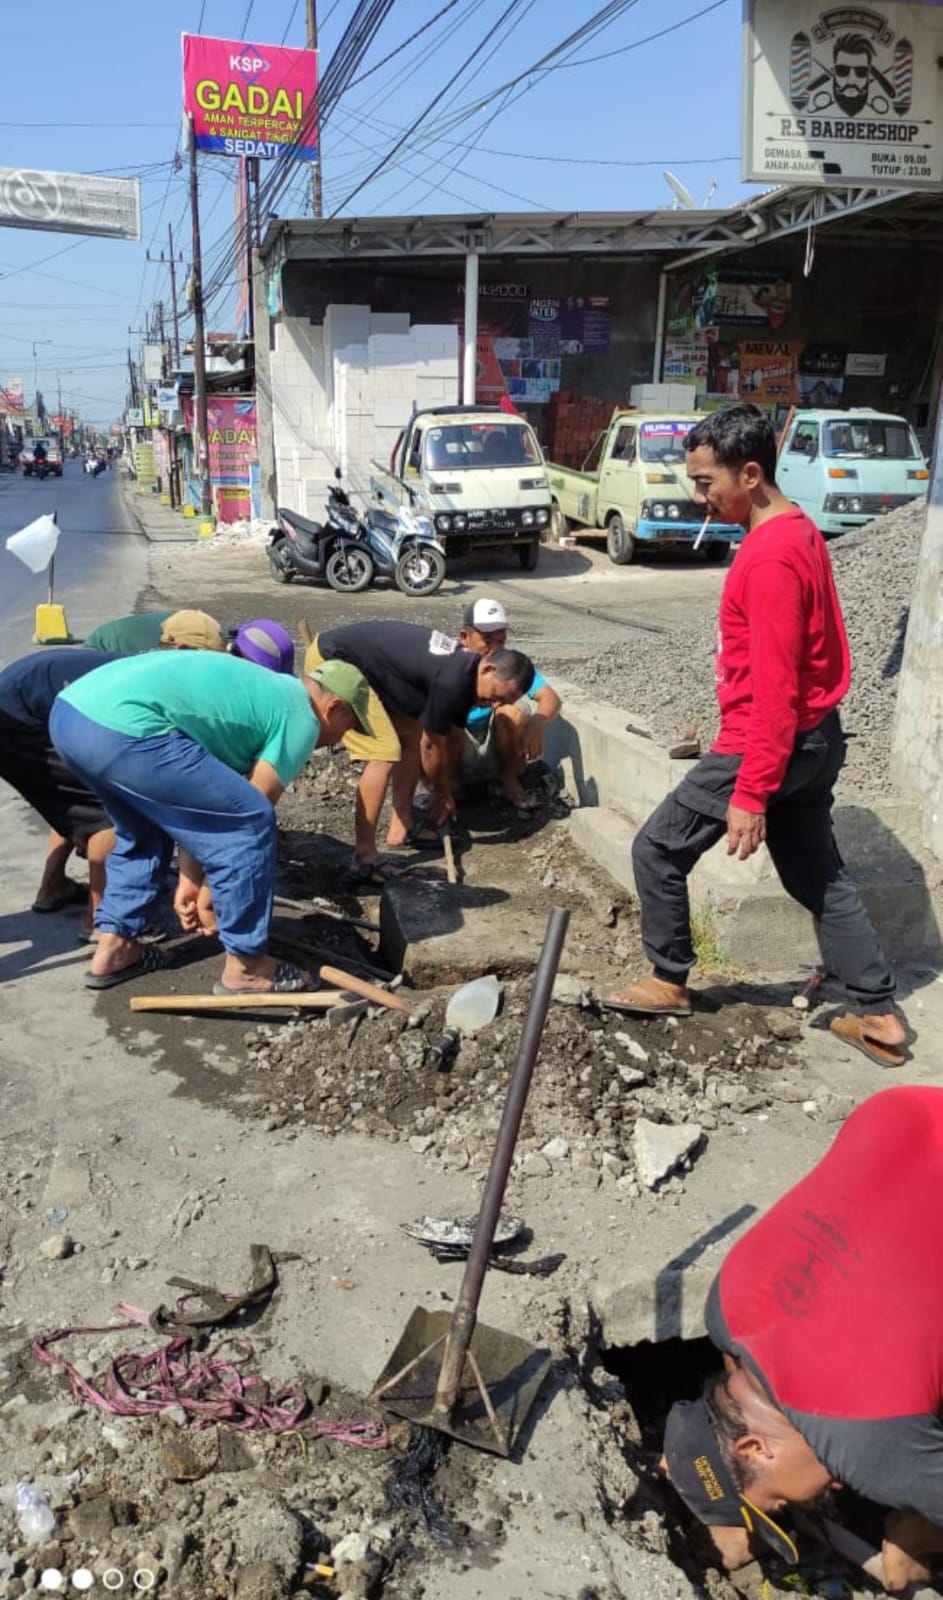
683 197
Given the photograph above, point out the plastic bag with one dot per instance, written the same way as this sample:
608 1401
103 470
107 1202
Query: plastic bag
35 545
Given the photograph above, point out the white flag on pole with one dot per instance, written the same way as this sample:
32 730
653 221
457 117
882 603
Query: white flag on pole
35 545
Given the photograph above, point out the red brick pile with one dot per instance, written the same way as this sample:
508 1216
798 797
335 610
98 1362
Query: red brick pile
572 424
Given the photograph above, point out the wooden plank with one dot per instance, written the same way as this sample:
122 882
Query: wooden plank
370 991
318 1000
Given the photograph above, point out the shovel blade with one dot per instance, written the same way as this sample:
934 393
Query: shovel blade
511 1368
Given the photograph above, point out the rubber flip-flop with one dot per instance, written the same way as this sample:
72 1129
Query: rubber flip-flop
74 894
287 979
151 960
850 1029
376 874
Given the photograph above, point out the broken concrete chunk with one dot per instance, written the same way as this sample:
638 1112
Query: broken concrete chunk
536 1166
58 1247
632 1045
783 1027
568 990
555 1149
661 1147
421 1143
631 1076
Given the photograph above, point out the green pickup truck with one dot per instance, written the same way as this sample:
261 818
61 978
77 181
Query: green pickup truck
634 489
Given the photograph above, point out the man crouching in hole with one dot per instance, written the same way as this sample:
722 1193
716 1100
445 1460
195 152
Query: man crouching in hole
829 1313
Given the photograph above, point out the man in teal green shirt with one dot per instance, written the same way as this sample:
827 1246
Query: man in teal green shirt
195 749
157 630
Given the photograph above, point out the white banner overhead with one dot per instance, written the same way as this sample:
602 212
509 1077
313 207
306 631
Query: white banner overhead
843 94
70 202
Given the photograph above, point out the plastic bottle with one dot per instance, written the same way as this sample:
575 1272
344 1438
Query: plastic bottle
34 1517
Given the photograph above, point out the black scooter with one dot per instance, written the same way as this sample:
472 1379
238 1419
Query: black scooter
326 552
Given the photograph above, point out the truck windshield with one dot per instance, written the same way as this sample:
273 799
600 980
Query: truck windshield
462 445
664 441
891 440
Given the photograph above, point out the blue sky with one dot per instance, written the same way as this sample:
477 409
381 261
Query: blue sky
101 92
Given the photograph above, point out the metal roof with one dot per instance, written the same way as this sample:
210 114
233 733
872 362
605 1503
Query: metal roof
882 213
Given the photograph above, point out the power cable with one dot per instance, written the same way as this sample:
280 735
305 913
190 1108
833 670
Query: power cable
245 22
291 19
418 121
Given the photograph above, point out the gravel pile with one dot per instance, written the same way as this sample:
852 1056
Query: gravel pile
667 680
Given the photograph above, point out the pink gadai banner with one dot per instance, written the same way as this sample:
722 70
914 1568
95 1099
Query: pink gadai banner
249 99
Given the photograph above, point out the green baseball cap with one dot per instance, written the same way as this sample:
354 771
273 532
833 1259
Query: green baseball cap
348 683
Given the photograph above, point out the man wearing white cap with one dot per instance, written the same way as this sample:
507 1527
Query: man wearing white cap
500 740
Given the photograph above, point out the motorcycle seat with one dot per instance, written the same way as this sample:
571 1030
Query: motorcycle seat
303 524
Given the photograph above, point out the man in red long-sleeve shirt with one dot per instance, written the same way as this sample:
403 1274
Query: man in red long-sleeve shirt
783 667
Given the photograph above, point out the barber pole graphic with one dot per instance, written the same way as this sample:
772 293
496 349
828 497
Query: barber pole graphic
800 70
902 76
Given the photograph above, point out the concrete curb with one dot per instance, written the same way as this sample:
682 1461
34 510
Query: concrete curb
616 778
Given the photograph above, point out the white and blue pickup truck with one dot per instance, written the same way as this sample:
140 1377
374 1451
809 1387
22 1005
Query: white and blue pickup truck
478 473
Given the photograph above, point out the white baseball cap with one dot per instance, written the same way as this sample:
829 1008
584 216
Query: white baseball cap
485 616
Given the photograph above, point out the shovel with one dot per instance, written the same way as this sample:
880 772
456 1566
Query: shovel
450 1371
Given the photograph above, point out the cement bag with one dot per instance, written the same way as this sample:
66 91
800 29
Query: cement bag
35 545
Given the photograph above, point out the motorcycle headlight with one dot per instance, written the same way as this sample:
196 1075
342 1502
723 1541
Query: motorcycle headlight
674 511
543 517
527 519
658 511
459 523
443 523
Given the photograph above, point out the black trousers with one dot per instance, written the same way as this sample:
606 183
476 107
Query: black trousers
802 845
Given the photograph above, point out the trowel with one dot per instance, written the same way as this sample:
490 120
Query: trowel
449 1371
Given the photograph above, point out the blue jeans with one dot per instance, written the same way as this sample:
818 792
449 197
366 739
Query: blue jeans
168 789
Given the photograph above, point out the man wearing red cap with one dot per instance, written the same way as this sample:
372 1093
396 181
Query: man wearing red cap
829 1311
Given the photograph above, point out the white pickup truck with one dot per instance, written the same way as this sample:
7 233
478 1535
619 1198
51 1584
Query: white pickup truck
478 473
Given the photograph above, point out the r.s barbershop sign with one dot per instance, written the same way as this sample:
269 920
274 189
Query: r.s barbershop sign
251 100
844 94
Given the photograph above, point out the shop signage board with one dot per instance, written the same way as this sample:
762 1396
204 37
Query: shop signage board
746 297
11 397
251 100
232 439
858 364
135 416
70 202
843 94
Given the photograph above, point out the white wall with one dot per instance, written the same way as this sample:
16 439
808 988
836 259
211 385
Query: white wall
342 392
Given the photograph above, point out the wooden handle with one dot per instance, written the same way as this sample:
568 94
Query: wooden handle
450 870
305 631
370 991
319 1000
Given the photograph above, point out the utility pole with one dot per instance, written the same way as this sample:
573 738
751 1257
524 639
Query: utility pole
201 429
173 296
316 197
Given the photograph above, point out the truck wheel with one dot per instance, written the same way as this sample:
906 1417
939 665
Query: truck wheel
529 554
716 551
559 524
620 545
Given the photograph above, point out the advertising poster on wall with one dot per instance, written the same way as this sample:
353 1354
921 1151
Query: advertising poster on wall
251 100
585 324
687 357
769 371
843 94
11 397
732 296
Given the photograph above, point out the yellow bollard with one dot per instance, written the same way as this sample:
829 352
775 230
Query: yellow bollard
189 511
207 530
51 625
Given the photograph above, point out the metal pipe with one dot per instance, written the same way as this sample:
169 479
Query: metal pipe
660 309
465 1314
470 361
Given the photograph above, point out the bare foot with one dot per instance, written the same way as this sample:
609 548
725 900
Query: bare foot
887 1027
113 953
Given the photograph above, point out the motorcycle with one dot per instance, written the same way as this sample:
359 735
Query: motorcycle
402 545
41 467
325 552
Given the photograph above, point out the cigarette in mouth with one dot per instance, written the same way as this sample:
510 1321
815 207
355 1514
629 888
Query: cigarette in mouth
704 527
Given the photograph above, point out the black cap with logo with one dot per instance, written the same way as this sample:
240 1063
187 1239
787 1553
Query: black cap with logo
697 1469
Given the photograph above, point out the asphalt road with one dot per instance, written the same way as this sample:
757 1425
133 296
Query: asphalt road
100 563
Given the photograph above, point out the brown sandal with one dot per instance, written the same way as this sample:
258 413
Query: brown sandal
650 997
851 1030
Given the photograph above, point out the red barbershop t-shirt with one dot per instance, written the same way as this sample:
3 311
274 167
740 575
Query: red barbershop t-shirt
834 1300
782 653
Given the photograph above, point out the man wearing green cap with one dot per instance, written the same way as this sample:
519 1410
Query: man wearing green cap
195 750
